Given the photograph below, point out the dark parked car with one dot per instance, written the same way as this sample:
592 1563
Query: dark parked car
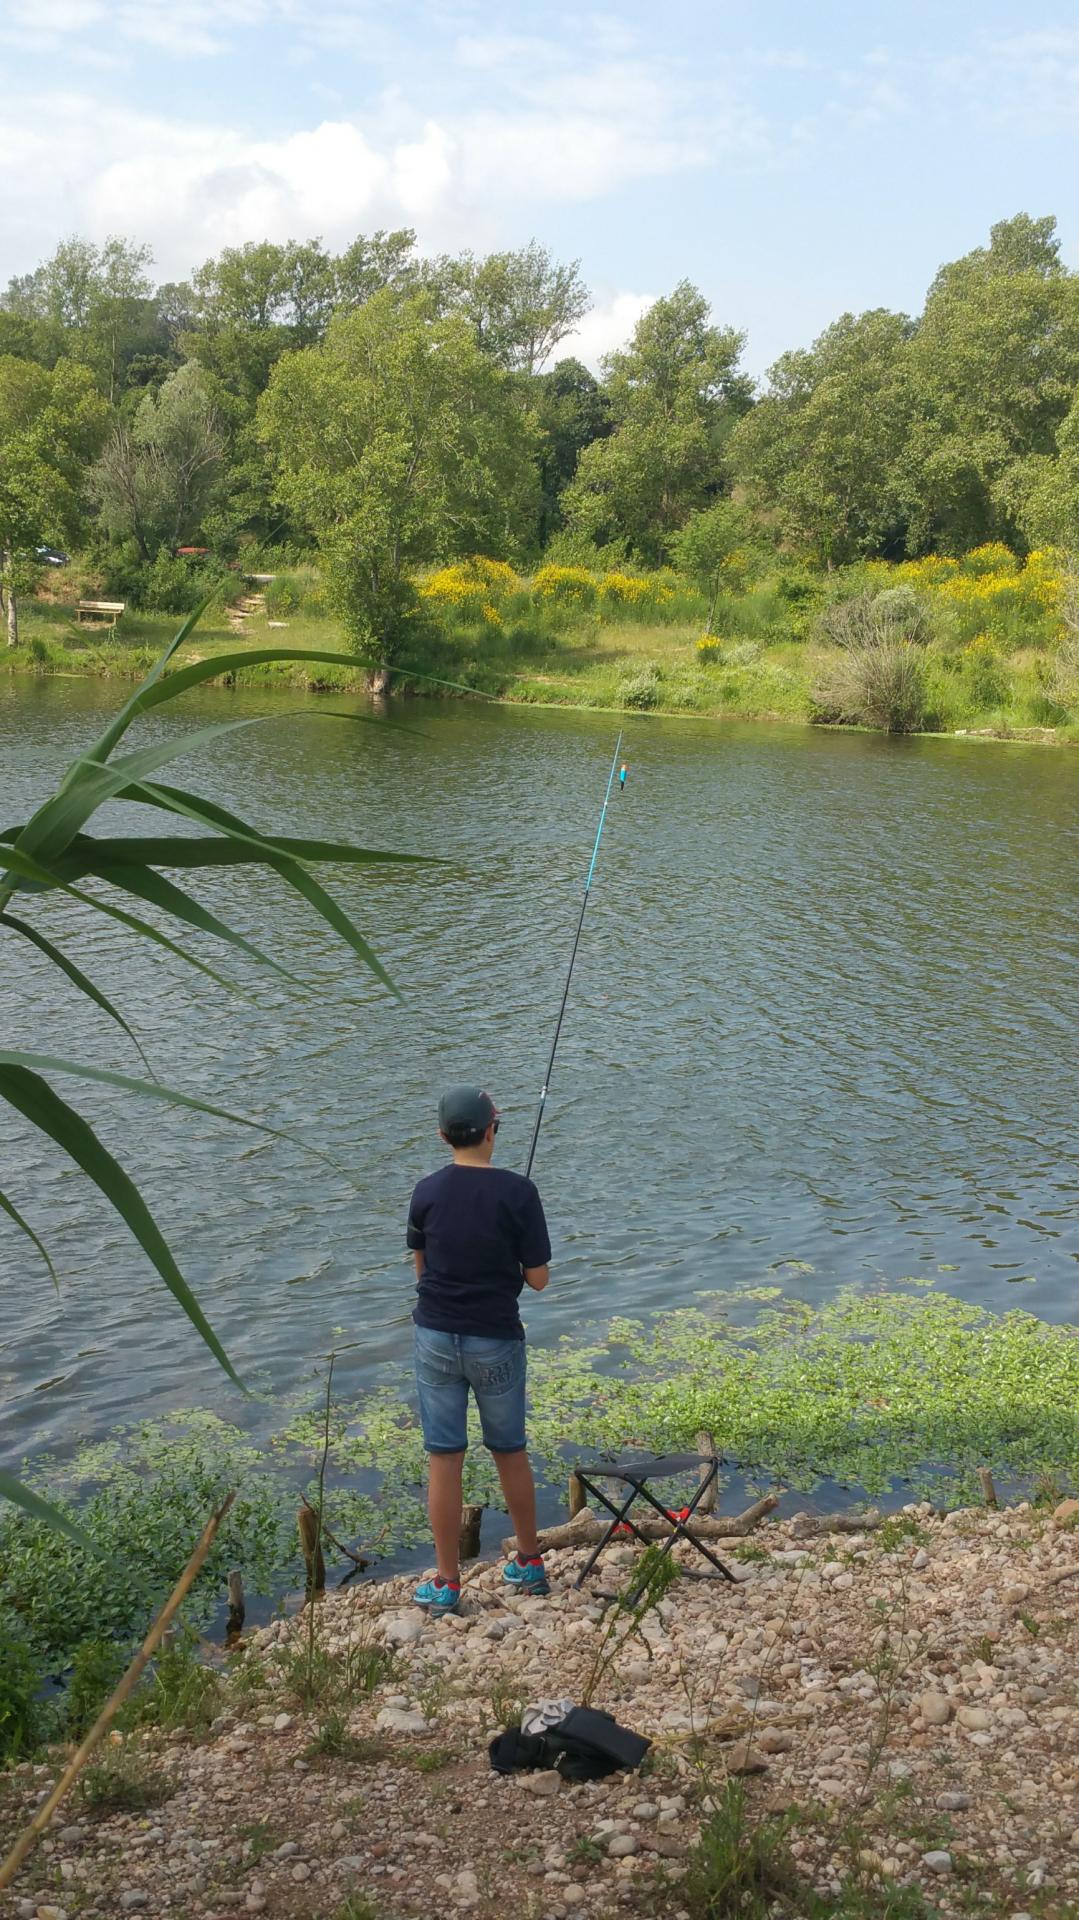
51 557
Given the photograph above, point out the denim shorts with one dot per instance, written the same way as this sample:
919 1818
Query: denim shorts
447 1365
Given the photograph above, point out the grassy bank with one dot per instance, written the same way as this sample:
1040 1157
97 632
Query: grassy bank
981 645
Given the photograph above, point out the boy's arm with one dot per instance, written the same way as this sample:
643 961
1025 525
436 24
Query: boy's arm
418 1258
537 1244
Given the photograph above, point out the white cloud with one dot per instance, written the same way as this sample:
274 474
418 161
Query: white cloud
568 127
607 327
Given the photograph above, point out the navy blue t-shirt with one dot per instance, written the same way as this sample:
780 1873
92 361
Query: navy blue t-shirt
477 1227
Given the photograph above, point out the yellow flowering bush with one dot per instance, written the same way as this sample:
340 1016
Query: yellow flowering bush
990 586
564 587
709 648
640 591
473 587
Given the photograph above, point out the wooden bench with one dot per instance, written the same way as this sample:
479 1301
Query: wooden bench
98 611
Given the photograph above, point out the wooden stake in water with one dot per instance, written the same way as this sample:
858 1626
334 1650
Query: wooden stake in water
573 956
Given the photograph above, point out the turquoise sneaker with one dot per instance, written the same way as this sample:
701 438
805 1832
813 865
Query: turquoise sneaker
438 1596
526 1576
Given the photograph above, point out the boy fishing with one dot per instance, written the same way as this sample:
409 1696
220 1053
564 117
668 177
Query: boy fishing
477 1234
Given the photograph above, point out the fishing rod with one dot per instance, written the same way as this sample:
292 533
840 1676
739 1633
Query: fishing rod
576 943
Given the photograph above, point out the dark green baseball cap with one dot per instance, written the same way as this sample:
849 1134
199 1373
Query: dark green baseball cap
466 1107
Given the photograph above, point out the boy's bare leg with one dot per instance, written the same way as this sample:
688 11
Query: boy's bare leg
515 1475
444 1509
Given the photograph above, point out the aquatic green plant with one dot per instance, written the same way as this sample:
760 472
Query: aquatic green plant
898 1387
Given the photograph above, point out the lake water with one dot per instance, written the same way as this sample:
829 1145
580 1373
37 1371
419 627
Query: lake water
824 1013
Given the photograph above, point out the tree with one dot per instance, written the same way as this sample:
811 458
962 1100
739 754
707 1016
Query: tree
156 477
397 442
709 547
675 395
571 410
375 261
820 452
521 303
994 366
51 426
91 304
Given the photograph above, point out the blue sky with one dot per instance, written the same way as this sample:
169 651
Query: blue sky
794 161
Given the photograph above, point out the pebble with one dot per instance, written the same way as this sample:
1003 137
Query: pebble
936 1709
743 1758
920 1560
953 1802
281 1721
134 1900
937 1861
774 1740
301 1871
621 1845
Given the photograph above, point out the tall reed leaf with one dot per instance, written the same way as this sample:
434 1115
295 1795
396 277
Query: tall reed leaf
42 1106
39 1509
78 979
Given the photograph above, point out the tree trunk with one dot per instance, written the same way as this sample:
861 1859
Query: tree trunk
378 681
12 619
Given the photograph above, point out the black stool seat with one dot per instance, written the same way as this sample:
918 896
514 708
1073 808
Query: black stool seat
658 1466
635 1473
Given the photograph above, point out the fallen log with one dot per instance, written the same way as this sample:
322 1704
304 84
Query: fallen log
802 1524
586 1529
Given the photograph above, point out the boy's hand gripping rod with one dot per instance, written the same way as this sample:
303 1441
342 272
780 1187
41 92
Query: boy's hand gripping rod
573 955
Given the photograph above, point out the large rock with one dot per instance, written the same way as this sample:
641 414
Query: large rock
402 1720
936 1709
975 1719
401 1629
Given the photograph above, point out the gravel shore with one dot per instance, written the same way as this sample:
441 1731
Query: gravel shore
907 1697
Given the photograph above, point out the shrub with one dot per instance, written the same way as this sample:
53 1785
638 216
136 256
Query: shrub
641 690
474 589
709 649
881 685
23 1718
564 587
95 1670
744 653
633 593
985 673
284 595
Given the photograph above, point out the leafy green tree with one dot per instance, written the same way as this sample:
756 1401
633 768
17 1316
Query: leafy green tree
1047 490
521 303
397 442
51 425
155 478
374 261
91 304
820 452
714 546
994 367
571 410
675 395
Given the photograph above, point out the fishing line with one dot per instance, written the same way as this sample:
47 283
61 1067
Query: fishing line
621 771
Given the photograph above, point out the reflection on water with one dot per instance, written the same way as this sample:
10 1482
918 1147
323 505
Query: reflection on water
822 1029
